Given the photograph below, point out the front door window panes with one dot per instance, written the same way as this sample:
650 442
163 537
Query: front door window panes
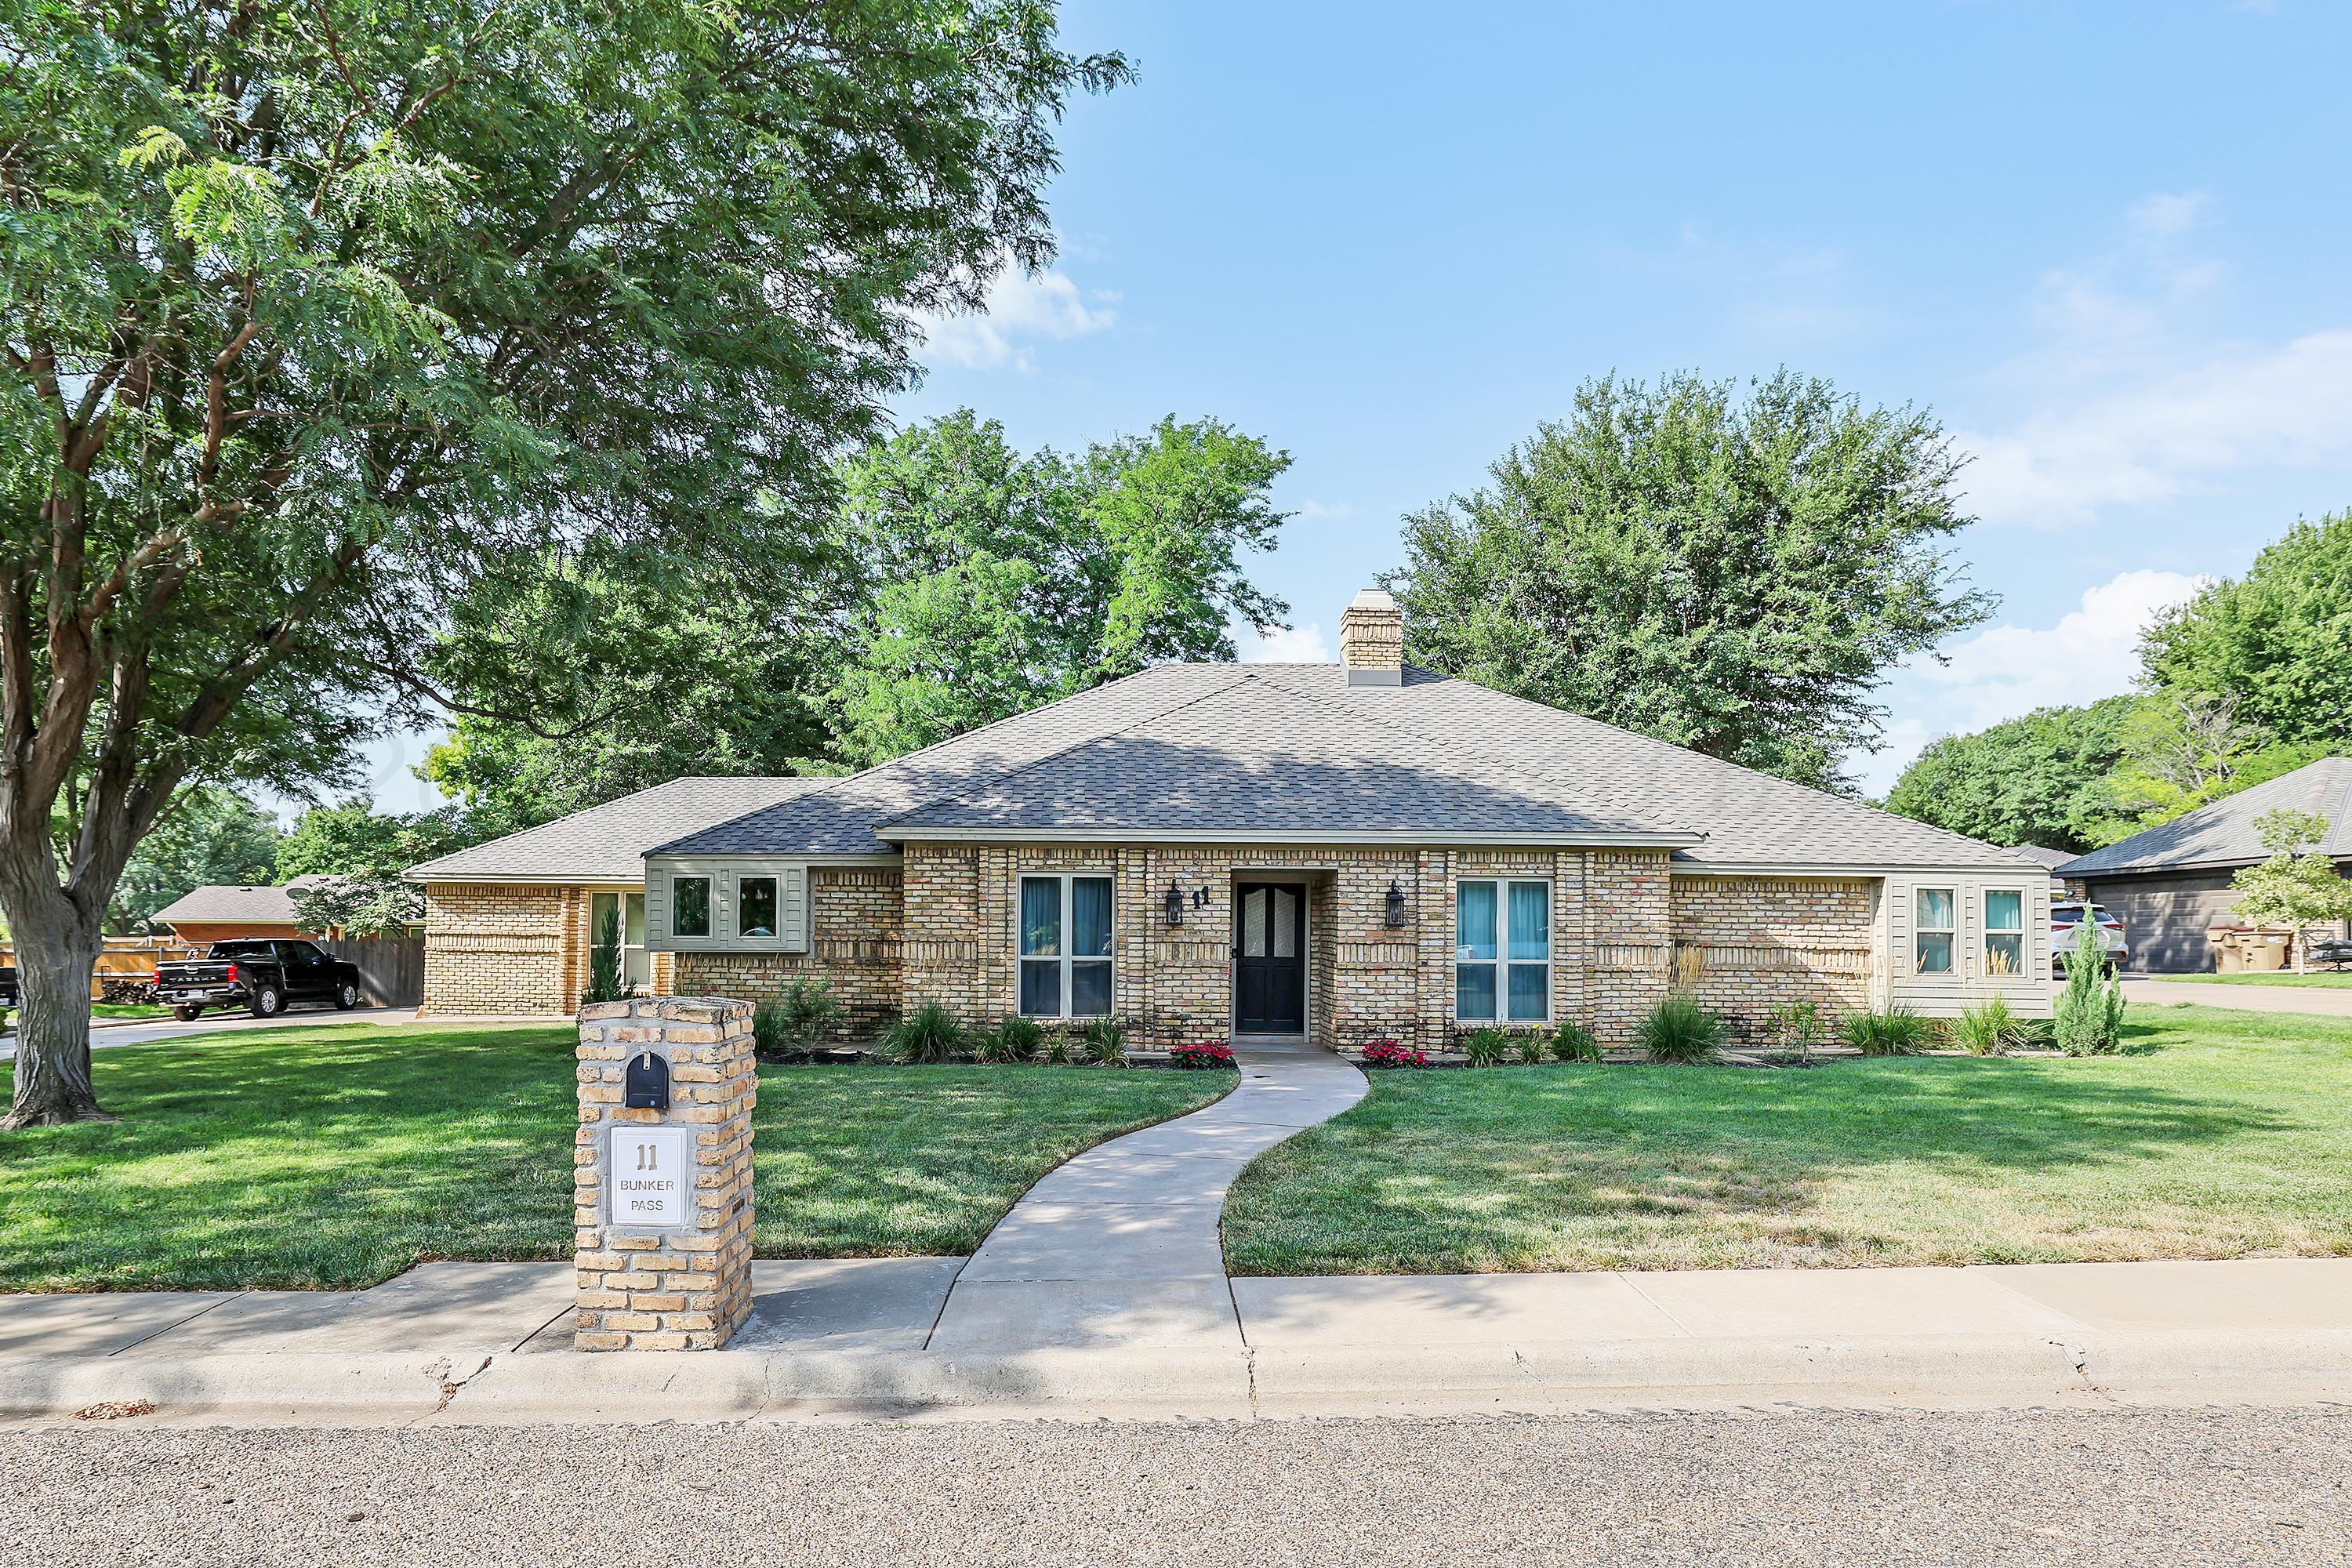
2004 931
1932 935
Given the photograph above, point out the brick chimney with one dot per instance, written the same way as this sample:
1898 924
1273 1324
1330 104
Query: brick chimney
1371 640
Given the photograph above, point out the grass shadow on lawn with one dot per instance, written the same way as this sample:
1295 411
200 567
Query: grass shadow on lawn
2228 1134
341 1155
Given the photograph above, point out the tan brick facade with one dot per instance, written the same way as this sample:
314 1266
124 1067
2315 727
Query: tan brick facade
856 925
1748 945
504 948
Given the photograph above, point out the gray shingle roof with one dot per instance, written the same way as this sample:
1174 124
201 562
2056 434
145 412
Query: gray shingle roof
1260 757
608 843
1428 754
239 904
2224 834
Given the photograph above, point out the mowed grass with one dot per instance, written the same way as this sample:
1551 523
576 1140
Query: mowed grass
2224 1133
2325 979
338 1156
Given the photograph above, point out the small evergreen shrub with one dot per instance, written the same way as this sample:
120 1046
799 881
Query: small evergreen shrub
1896 1032
1680 1030
1572 1042
1382 1055
1106 1042
1013 1039
1486 1047
604 961
2089 1020
804 1018
928 1034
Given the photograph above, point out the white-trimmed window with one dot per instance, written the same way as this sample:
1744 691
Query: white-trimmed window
1065 947
1933 919
627 913
689 906
1502 950
2004 934
758 906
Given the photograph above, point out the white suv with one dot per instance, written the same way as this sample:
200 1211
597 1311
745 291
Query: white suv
2065 915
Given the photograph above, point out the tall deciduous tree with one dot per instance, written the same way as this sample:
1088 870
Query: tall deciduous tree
1731 574
2297 885
2043 779
314 314
211 836
993 582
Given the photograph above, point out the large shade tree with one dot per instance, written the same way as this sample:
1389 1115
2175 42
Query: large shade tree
315 315
1734 574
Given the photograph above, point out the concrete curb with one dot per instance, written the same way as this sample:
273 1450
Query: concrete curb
623 1387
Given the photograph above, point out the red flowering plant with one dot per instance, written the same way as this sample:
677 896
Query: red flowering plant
1205 1055
1393 1054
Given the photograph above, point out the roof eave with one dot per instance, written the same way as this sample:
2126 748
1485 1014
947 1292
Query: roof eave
1613 838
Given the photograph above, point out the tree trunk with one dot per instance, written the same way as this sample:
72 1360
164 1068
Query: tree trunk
54 959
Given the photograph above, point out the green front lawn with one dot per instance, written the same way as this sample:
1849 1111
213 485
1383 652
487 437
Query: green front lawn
2225 1133
2326 978
343 1154
128 1010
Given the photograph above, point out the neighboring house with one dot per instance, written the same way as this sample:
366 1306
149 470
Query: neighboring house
2053 858
225 913
2169 884
1349 852
508 923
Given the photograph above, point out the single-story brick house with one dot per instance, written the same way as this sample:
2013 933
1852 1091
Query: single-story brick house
2171 884
1347 852
225 911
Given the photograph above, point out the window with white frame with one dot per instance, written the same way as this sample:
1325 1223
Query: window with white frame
689 906
1065 947
755 907
1933 922
1502 950
2004 935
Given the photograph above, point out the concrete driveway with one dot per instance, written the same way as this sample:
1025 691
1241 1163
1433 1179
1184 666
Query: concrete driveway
2245 998
103 1033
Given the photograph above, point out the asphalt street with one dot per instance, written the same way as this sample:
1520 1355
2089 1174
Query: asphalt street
2180 1487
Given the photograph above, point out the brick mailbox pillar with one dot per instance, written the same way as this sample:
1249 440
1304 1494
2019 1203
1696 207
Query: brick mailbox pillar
662 1193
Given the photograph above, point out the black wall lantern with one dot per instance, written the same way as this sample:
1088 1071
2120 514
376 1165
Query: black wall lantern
1175 904
1396 903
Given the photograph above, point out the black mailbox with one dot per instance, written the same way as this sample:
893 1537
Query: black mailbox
648 1083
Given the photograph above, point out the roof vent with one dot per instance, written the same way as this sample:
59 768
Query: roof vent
1371 640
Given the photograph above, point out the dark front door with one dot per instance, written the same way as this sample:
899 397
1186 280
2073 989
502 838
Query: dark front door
1269 958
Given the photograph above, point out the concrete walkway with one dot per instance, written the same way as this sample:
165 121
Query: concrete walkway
1121 1245
2319 999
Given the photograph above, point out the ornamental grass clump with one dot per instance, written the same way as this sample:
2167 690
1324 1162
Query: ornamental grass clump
2089 1018
1678 1029
1989 1028
928 1034
1013 1039
1534 1050
1059 1052
1486 1047
1106 1042
1572 1042
1894 1032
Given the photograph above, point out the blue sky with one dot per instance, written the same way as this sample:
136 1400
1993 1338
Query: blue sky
2104 243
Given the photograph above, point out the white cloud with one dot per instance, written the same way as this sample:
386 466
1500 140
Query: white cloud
1022 307
2133 445
1288 644
1315 511
2006 671
2166 212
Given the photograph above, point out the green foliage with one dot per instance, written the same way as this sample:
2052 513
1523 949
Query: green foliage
2042 779
361 906
1572 1042
1486 1047
354 839
1731 574
1988 1028
1013 1039
212 837
1895 1031
1059 1051
1678 1029
604 983
2272 643
1532 1049
2186 749
2298 885
2088 1019
989 582
798 1021
928 1034
1105 1042
1795 1030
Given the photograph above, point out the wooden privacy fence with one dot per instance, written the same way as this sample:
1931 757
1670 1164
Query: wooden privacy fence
391 968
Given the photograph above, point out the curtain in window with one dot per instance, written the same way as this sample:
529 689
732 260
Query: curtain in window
1933 938
2004 931
1473 921
1041 932
1090 947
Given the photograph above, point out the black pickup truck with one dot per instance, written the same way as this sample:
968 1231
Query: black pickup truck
264 977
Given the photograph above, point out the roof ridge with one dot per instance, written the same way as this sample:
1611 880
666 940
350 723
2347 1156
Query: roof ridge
605 805
1638 814
994 779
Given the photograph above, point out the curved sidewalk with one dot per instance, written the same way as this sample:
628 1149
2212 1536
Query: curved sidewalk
1120 1247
